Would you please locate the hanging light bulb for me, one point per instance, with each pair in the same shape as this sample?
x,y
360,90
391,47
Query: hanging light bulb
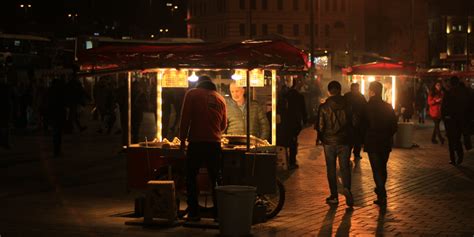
x,y
193,77
236,76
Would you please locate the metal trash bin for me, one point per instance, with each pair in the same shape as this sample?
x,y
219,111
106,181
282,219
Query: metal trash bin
x,y
235,209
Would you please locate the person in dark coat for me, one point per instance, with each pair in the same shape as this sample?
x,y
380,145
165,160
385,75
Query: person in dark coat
x,y
295,119
454,110
76,97
203,120
358,103
420,102
57,112
380,124
334,125
407,102
139,105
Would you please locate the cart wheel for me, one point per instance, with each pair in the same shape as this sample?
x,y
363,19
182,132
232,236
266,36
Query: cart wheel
x,y
274,202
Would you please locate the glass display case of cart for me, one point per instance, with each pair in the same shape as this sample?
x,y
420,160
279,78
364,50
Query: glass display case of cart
x,y
157,96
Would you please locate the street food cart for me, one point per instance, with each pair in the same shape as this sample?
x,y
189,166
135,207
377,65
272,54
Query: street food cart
x,y
393,76
166,72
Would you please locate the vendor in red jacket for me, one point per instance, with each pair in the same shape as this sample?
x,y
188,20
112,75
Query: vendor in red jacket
x,y
435,98
203,120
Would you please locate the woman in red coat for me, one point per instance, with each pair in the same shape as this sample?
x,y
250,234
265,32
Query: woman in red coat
x,y
435,98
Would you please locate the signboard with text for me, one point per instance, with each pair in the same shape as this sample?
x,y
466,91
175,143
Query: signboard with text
x,y
175,79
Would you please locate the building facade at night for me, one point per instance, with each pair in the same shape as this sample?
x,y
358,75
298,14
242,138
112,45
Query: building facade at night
x,y
348,29
450,35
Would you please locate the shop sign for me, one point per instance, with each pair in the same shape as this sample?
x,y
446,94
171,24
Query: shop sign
x,y
257,78
173,78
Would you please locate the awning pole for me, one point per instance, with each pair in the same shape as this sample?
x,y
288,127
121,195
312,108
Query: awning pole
x,y
247,106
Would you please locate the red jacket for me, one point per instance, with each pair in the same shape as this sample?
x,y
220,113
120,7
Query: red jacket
x,y
435,105
203,116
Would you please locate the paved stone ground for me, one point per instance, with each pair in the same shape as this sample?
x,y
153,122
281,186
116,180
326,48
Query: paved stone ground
x,y
84,193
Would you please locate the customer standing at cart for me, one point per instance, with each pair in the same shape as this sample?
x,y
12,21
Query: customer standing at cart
x,y
381,124
334,124
203,120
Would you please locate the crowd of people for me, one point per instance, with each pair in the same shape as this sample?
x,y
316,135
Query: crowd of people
x,y
350,122
40,104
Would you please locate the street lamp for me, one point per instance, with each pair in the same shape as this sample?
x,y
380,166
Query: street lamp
x,y
26,7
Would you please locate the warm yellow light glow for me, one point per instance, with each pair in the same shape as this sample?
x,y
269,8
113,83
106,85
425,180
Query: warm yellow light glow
x,y
69,15
29,5
22,6
393,91
129,106
362,86
257,78
238,75
274,98
193,77
371,78
448,29
159,129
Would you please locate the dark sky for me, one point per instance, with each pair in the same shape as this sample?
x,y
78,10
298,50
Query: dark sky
x,y
146,15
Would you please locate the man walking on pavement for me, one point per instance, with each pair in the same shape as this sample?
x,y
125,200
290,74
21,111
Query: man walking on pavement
x,y
454,109
358,103
203,120
295,119
381,124
334,123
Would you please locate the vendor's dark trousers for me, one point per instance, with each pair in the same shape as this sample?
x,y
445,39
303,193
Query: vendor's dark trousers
x,y
332,153
378,163
454,133
197,154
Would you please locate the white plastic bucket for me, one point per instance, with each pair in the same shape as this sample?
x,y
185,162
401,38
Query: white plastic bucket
x,y
235,209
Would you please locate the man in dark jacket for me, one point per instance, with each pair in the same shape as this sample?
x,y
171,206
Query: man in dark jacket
x,y
454,110
381,125
334,124
358,103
